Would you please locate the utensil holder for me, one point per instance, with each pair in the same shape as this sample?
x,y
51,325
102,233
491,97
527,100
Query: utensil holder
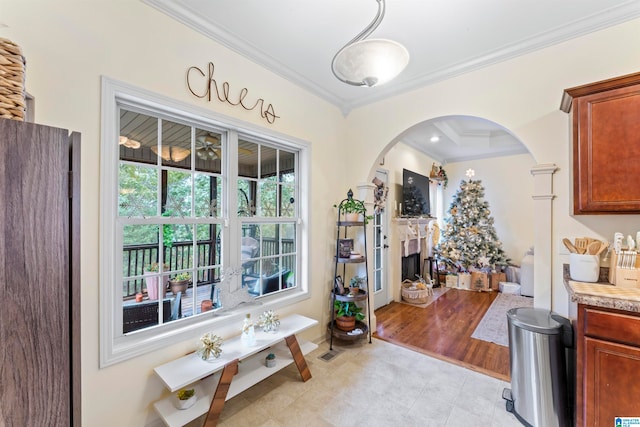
x,y
584,268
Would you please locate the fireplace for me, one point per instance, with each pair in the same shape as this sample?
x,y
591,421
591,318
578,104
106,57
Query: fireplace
x,y
410,266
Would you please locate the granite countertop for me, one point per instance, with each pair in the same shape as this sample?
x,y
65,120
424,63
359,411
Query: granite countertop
x,y
602,293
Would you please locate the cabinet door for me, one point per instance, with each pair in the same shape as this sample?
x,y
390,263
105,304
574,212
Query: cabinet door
x,y
612,382
606,152
35,386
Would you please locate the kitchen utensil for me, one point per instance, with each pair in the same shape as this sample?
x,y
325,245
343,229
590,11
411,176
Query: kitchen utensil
x,y
602,248
569,246
581,245
594,247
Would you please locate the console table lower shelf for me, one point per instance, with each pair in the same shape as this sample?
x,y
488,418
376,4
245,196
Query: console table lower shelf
x,y
235,376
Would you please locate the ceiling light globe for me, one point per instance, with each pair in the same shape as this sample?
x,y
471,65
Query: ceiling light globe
x,y
370,62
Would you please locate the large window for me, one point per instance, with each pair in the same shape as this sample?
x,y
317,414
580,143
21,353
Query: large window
x,y
192,207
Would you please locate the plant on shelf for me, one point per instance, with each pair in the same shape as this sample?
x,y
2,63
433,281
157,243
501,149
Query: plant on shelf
x,y
185,398
347,312
270,360
180,282
185,394
351,206
355,284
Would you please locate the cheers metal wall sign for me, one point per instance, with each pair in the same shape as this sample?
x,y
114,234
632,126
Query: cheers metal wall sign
x,y
207,85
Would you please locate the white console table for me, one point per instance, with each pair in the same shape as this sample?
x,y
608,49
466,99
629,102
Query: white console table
x,y
218,381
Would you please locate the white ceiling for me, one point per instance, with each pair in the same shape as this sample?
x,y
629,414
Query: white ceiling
x,y
297,40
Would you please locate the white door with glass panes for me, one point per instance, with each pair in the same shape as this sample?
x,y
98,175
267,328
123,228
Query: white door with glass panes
x,y
380,251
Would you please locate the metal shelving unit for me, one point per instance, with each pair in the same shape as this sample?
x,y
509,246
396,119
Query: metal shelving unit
x,y
344,265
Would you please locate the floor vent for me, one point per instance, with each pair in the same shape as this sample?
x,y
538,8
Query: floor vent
x,y
328,355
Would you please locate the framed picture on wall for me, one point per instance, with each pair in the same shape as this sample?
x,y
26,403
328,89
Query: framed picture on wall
x,y
345,246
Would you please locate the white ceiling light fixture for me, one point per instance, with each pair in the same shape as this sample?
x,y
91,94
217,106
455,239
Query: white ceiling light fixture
x,y
370,62
129,143
434,139
173,154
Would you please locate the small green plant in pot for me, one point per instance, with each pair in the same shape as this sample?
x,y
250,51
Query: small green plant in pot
x,y
185,398
347,312
180,282
355,284
352,209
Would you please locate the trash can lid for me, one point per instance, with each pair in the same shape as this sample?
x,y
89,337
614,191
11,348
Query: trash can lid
x,y
535,319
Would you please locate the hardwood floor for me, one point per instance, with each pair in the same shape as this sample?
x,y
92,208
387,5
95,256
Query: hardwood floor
x,y
443,330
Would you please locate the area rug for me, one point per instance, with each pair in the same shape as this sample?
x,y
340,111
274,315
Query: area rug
x,y
437,293
493,326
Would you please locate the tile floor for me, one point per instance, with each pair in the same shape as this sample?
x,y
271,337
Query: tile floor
x,y
372,385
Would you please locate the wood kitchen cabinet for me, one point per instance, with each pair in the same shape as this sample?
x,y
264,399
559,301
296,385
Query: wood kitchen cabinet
x,y
608,365
606,145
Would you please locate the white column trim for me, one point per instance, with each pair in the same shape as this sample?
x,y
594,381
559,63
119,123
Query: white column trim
x,y
542,213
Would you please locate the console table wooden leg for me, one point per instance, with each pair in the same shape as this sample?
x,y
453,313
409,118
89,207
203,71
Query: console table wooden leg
x,y
220,396
298,357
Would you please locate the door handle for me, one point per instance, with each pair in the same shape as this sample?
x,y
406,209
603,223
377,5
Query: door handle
x,y
385,246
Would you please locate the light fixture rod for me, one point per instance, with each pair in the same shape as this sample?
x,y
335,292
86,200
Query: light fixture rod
x,y
361,36
372,26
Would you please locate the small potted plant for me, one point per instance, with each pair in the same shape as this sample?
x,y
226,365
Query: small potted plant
x,y
355,284
185,398
352,209
180,282
151,279
347,312
270,360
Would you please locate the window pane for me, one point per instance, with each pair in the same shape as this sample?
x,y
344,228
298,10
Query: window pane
x,y
246,197
268,205
138,133
287,167
178,199
175,148
287,201
208,192
137,191
288,271
247,159
208,251
270,239
139,251
268,163
288,238
209,151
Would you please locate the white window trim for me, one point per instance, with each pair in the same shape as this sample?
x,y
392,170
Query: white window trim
x,y
115,347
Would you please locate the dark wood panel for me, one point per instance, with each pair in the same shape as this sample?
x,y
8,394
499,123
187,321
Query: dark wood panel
x,y
612,386
613,326
606,146
34,229
443,330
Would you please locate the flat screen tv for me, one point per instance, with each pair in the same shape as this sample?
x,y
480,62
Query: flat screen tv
x,y
415,194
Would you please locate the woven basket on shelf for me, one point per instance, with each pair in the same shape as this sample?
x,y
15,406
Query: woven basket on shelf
x,y
12,78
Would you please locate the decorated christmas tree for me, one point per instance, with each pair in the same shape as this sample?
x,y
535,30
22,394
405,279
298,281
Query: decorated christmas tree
x,y
469,240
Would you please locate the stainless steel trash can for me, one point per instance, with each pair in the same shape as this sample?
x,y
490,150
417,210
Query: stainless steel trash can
x,y
539,341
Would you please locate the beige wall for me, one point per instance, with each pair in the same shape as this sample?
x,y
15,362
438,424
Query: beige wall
x,y
69,45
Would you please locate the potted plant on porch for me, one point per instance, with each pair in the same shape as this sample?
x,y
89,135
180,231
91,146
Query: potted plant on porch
x,y
347,312
151,279
180,282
